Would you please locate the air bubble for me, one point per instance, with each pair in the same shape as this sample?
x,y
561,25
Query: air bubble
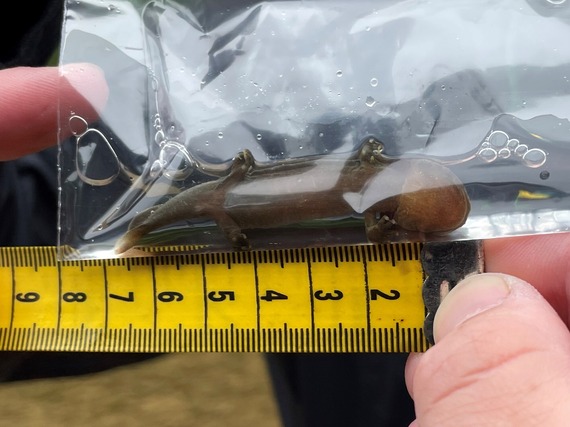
x,y
258,137
78,125
220,135
488,155
534,158
374,82
498,139
521,149
504,153
156,168
513,144
339,73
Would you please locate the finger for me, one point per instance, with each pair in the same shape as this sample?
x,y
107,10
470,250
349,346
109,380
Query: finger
x,y
543,260
502,357
31,100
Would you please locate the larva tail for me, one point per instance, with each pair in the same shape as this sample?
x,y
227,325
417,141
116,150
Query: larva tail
x,y
137,229
129,240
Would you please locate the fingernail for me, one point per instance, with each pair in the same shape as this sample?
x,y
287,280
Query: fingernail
x,y
471,297
89,81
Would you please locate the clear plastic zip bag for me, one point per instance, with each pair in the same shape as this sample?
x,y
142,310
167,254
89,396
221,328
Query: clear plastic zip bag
x,y
247,124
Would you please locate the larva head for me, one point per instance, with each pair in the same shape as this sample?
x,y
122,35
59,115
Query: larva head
x,y
432,199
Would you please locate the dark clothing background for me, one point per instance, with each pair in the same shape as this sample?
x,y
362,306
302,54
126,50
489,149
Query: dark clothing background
x,y
312,389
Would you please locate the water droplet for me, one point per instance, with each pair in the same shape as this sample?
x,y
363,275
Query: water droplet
x,y
321,134
373,82
258,137
370,102
368,28
544,175
443,87
339,73
220,135
523,104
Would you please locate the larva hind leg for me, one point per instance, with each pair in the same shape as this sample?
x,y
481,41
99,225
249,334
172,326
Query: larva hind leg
x,y
377,226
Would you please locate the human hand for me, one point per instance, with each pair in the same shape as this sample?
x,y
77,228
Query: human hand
x,y
502,352
31,99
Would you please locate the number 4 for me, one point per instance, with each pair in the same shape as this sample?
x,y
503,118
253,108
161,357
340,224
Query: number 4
x,y
273,295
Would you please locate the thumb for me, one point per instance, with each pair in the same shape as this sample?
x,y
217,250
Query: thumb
x,y
502,357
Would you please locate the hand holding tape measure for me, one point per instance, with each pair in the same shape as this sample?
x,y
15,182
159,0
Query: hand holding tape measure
x,y
498,340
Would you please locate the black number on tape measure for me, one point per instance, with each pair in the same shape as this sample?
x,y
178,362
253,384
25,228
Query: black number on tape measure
x,y
377,293
28,297
129,298
74,297
273,295
218,296
168,296
335,295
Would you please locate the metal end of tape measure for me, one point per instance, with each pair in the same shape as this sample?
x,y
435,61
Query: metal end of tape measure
x,y
445,264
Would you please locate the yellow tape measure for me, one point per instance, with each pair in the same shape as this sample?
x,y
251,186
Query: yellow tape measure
x,y
339,299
